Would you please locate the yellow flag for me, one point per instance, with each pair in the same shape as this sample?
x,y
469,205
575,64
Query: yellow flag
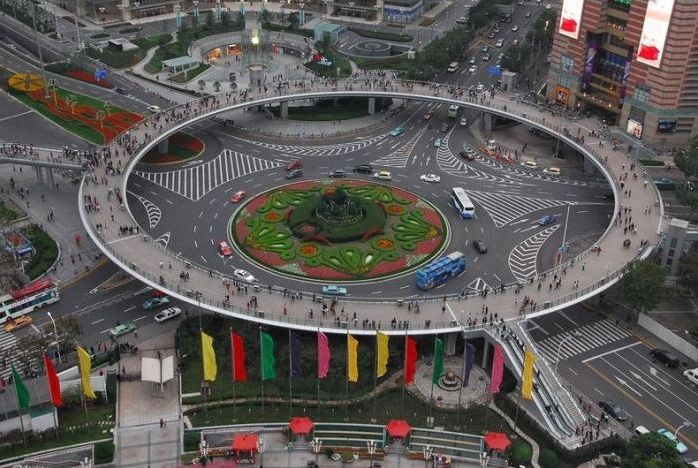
x,y
382,351
209,357
527,385
352,358
85,363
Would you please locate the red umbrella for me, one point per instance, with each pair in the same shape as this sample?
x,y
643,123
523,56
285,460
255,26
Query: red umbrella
x,y
245,442
398,428
301,425
497,441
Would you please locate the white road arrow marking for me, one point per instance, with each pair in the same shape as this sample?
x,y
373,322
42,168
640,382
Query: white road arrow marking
x,y
625,384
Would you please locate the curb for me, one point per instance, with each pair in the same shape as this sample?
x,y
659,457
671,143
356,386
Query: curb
x,y
99,264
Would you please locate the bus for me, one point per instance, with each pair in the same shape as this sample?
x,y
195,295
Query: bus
x,y
441,270
453,111
28,299
461,202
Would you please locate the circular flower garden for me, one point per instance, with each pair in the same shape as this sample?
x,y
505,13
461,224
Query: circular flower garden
x,y
330,230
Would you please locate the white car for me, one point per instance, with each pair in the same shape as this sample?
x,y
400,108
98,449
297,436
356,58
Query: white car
x,y
530,164
167,314
244,276
480,88
464,122
430,178
154,109
691,375
383,175
500,43
514,29
472,69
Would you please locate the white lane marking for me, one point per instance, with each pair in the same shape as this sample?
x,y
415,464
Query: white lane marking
x,y
139,318
610,352
565,316
129,309
625,384
97,321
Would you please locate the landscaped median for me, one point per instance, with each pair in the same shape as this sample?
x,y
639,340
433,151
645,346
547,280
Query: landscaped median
x,y
46,251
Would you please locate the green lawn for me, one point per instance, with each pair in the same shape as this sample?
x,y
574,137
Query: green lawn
x,y
46,251
7,214
190,74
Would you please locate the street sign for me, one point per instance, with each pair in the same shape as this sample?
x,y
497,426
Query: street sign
x,y
494,70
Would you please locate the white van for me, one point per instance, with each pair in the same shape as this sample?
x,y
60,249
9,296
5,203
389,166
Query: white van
x,y
642,430
691,375
453,67
167,314
154,109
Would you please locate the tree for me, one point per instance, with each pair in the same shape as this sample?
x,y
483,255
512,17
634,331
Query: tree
x,y
240,19
264,17
202,84
642,286
687,160
651,451
293,21
225,18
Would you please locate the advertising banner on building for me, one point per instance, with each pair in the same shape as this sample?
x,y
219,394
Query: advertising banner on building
x,y
666,126
562,96
589,63
571,18
654,31
634,128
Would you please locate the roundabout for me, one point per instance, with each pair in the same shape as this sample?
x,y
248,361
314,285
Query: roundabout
x,y
329,230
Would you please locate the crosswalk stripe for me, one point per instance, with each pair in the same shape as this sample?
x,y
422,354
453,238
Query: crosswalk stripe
x,y
593,336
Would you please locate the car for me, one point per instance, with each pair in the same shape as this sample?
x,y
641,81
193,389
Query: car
x,y
158,293
154,109
467,155
464,122
514,28
547,219
445,127
363,169
437,143
453,67
337,174
485,49
500,56
491,35
608,196
500,43
167,314
122,329
294,173
529,164
156,302
515,42
472,69
428,115
297,164
480,87
665,357
528,14
383,175
642,430
396,132
333,290
462,20
472,61
613,410
549,6
665,183
480,246
680,446
121,91
486,57
238,196
224,249
552,171
13,324
244,276
691,375
430,178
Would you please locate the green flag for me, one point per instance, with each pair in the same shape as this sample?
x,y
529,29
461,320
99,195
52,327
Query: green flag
x,y
23,396
268,360
438,360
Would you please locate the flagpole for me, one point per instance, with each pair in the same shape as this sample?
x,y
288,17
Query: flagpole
x,y
290,374
462,381
261,361
404,382
204,388
50,392
232,355
375,379
317,372
346,384
431,396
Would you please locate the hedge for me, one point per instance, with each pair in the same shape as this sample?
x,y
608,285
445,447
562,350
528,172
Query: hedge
x,y
651,162
104,452
548,459
46,251
385,35
192,440
280,28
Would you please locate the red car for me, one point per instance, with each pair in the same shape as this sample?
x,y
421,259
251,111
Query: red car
x,y
294,165
158,293
224,249
238,196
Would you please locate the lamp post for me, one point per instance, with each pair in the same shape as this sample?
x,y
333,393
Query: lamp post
x,y
427,451
55,333
683,424
260,448
178,11
575,334
371,444
196,10
484,459
316,445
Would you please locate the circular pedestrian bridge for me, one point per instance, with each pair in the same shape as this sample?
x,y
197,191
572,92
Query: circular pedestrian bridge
x,y
149,260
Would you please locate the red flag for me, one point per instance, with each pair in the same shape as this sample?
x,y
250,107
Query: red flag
x,y
410,359
54,384
497,369
239,370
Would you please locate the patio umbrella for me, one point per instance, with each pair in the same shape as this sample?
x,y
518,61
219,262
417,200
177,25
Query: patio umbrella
x,y
497,441
301,425
398,428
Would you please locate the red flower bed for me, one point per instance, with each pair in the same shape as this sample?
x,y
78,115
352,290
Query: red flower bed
x,y
432,217
324,273
386,268
427,246
406,195
82,75
183,140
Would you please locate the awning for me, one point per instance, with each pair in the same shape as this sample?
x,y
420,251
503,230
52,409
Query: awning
x,y
497,441
398,428
245,442
301,425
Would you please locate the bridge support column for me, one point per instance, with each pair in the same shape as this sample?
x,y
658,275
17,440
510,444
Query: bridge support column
x,y
371,106
487,122
164,146
39,175
49,178
589,167
486,354
284,110
256,74
451,340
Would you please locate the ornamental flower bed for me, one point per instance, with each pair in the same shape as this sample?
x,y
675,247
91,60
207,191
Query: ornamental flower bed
x,y
181,147
87,77
412,231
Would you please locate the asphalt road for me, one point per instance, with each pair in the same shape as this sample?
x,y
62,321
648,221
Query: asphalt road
x,y
608,362
509,199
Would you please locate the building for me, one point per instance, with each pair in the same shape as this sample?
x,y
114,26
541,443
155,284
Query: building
x,y
365,10
402,11
632,62
109,11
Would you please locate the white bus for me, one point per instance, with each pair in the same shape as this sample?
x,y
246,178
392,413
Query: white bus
x,y
461,202
28,299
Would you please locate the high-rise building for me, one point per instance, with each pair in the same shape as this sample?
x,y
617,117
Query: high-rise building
x,y
632,62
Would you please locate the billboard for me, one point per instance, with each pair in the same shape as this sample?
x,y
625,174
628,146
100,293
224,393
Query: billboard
x,y
571,18
634,128
654,31
666,126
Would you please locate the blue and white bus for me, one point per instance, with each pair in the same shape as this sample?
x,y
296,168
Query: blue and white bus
x,y
461,202
441,270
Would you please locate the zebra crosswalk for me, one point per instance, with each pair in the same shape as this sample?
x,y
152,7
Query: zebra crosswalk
x,y
505,208
319,150
8,354
517,171
400,156
447,161
589,337
195,182
523,258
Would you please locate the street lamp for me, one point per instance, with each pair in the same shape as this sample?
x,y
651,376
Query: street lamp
x,y
55,333
684,424
575,334
260,449
316,445
484,459
371,444
427,451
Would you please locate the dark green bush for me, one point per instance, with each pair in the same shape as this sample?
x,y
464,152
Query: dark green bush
x,y
104,452
521,451
548,459
651,162
385,35
192,440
